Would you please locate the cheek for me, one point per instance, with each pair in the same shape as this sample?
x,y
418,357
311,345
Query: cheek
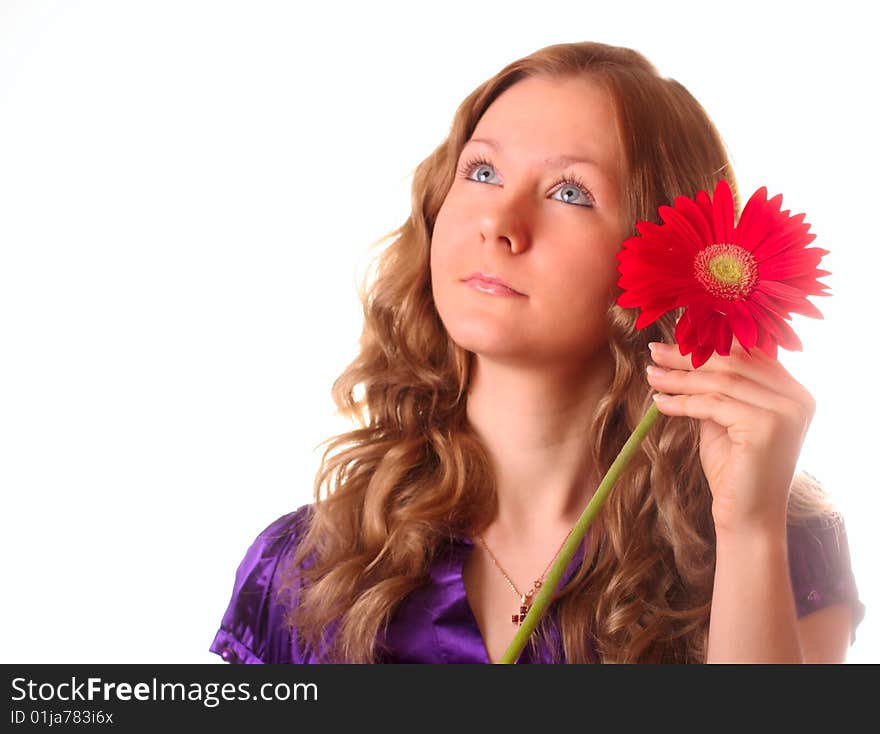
x,y
445,255
586,278
590,280
442,268
439,262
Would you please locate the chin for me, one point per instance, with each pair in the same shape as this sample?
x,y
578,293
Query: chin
x,y
478,323
487,339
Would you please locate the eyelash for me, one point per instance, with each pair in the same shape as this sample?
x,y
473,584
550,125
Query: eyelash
x,y
569,179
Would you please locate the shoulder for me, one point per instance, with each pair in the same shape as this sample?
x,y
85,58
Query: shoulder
x,y
821,568
276,543
279,539
253,629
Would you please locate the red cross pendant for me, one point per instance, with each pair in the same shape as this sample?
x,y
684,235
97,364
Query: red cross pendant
x,y
524,605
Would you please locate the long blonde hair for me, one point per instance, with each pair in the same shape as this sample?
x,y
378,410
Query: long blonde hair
x,y
414,474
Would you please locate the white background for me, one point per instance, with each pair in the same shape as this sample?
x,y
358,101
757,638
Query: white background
x,y
187,193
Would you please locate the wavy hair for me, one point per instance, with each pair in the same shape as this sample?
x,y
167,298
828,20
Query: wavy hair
x,y
413,474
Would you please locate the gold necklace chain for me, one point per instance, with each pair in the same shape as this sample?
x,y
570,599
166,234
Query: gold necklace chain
x,y
525,600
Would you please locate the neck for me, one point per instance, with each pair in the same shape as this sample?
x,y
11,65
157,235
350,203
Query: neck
x,y
535,425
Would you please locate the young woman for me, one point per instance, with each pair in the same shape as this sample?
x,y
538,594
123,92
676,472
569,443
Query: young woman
x,y
498,380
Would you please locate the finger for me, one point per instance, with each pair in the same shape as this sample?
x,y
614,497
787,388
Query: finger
x,y
721,409
738,352
726,382
757,366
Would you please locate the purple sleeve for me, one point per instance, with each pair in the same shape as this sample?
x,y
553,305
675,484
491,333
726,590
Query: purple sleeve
x,y
252,629
821,572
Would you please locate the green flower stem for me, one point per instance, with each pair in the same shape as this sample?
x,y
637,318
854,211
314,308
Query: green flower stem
x,y
548,588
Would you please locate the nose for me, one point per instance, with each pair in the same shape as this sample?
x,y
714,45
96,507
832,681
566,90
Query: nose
x,y
505,222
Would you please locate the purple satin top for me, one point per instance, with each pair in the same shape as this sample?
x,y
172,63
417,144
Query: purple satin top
x,y
435,624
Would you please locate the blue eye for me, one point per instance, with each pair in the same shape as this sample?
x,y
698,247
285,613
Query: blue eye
x,y
566,183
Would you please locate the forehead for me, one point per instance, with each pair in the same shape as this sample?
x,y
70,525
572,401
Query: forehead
x,y
542,118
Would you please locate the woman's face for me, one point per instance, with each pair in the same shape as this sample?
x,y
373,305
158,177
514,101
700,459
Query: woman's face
x,y
513,217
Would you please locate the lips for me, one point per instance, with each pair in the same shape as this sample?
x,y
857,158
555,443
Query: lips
x,y
490,283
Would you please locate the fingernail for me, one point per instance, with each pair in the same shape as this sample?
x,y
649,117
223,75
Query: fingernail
x,y
654,346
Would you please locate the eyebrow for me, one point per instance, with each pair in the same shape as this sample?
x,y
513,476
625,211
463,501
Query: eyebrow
x,y
553,160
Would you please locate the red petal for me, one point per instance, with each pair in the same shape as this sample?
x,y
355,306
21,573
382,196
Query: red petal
x,y
766,321
780,310
663,237
702,355
723,338
766,343
754,220
689,237
783,292
768,331
722,212
787,273
808,309
661,289
690,294
649,316
786,233
705,204
646,231
707,327
698,220
788,339
684,334
645,298
743,324
809,286
793,263
708,323
652,258
643,293
767,302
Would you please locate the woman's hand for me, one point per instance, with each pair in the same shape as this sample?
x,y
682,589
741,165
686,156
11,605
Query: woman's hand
x,y
753,417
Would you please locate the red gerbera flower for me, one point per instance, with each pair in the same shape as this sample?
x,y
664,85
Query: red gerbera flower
x,y
743,279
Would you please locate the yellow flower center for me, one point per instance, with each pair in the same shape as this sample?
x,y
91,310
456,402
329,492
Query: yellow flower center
x,y
727,271
725,268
